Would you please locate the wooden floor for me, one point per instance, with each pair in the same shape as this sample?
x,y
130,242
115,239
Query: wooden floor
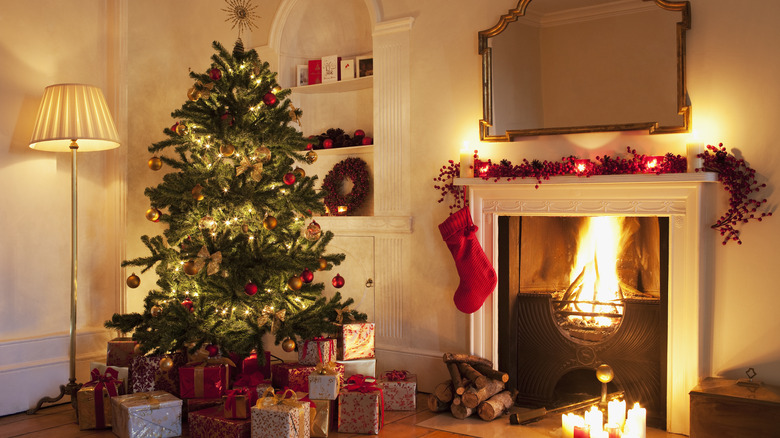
x,y
60,421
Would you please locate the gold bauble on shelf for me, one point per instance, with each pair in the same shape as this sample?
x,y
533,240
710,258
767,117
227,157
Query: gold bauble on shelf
x,y
311,157
155,163
288,345
133,281
295,283
153,214
155,311
190,268
269,222
166,364
227,150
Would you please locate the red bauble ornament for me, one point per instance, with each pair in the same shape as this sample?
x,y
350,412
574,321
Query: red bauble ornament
x,y
215,74
309,146
270,99
189,305
307,276
338,281
289,178
250,289
367,141
327,143
360,133
212,349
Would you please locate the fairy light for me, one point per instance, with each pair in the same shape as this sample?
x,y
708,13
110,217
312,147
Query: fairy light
x,y
246,312
225,189
186,292
251,238
224,311
233,309
194,294
227,222
242,66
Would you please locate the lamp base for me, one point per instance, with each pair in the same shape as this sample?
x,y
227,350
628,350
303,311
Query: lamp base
x,y
70,389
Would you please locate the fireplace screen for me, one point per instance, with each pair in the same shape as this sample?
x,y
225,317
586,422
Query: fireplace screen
x,y
576,292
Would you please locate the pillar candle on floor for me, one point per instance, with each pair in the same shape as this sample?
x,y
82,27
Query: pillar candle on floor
x,y
616,412
569,421
594,419
581,432
636,421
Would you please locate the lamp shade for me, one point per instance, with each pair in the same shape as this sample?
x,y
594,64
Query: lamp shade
x,y
73,112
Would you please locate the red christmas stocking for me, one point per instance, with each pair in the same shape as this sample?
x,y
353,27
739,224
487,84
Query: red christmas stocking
x,y
477,276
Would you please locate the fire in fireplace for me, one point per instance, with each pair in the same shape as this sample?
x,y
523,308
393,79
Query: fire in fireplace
x,y
579,291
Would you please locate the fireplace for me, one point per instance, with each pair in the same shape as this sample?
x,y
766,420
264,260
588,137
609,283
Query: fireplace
x,y
683,200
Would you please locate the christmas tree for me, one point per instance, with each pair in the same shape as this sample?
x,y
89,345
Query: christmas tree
x,y
240,251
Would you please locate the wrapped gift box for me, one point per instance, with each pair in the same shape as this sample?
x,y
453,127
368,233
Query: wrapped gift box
x,y
400,390
325,415
198,404
147,376
366,367
94,399
356,341
209,381
123,373
277,417
120,352
250,366
238,401
318,350
211,423
296,376
361,407
324,386
150,414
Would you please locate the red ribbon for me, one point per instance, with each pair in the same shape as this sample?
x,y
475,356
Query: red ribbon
x,y
396,375
366,384
230,402
108,381
318,340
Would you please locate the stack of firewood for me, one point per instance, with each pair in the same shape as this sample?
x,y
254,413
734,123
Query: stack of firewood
x,y
474,387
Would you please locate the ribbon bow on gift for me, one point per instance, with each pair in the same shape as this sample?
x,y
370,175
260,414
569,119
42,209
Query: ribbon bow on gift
x,y
361,383
213,260
230,402
148,399
396,375
108,381
326,368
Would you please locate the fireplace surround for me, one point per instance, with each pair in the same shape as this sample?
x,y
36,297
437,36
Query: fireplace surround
x,y
686,199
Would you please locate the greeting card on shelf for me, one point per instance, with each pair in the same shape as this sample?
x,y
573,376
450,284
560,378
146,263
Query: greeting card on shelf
x,y
315,71
347,69
330,68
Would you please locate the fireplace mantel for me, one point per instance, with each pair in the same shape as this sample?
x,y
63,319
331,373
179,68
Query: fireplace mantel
x,y
686,198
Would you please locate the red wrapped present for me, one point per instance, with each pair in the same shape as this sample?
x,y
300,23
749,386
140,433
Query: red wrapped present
x,y
198,404
361,406
250,366
280,416
400,390
120,352
204,379
318,350
147,376
94,399
356,341
237,402
296,376
211,423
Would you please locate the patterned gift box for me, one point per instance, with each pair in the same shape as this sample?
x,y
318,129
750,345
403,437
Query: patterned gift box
x,y
356,341
203,381
325,415
276,416
296,376
250,366
366,367
361,406
123,373
324,382
400,390
120,352
318,350
198,404
147,376
94,399
211,423
150,414
238,401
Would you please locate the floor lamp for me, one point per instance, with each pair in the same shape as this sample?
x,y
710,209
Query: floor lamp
x,y
71,118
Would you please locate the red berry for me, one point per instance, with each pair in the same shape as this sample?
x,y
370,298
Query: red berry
x,y
327,143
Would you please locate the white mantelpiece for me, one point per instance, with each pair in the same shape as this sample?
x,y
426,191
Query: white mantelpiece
x,y
685,198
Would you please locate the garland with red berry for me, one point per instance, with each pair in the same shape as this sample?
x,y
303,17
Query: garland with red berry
x,y
738,178
356,170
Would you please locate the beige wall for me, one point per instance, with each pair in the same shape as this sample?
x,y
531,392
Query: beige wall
x,y
732,79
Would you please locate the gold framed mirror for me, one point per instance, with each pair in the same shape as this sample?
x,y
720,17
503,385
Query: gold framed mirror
x,y
572,66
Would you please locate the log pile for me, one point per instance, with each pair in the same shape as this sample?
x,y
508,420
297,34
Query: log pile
x,y
474,387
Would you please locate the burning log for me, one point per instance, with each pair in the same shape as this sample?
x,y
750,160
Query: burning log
x,y
460,411
466,358
475,376
436,405
491,408
444,392
473,397
573,287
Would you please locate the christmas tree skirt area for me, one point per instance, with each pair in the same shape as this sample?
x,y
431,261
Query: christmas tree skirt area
x,y
474,426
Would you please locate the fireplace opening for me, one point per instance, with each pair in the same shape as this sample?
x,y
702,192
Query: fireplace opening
x,y
576,292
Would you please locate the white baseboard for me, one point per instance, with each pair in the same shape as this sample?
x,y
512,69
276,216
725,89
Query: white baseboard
x,y
426,364
33,368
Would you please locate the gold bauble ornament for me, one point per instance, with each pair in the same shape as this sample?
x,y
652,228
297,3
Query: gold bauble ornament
x,y
311,157
288,345
166,364
137,349
193,94
155,311
227,150
299,173
155,163
323,264
191,268
207,223
276,89
313,232
269,222
263,154
604,373
245,228
153,214
133,281
295,283
181,129
196,192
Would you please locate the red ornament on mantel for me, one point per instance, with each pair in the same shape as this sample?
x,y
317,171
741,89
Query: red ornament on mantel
x,y
367,141
327,143
360,133
270,99
289,178
307,276
338,281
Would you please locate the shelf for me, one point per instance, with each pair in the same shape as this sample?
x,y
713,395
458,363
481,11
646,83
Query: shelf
x,y
336,87
596,179
345,150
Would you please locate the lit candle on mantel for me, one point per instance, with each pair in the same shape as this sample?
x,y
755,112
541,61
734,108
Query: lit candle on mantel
x,y
569,422
636,422
594,419
613,430
581,432
466,161
694,162
653,162
616,413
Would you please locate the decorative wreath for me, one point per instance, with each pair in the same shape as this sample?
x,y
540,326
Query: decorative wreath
x,y
354,169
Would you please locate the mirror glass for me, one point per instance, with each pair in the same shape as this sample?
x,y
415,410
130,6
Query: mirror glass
x,y
568,66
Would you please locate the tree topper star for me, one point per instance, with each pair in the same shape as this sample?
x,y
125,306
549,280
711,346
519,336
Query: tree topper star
x,y
242,14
